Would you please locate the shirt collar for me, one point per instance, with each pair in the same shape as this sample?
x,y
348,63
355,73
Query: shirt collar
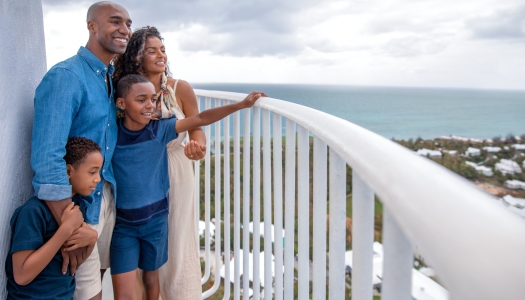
x,y
95,63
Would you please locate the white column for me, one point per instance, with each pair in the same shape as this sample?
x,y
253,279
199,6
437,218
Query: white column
x,y
23,64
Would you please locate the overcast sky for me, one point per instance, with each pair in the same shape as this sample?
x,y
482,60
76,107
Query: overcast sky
x,y
442,43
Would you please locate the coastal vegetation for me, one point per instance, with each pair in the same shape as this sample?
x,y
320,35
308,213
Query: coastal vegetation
x,y
453,158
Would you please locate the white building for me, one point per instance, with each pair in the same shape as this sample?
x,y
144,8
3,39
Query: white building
x,y
451,152
481,169
518,202
472,151
423,287
520,147
492,149
507,166
428,152
514,184
261,230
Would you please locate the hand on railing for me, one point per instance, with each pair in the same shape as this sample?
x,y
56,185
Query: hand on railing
x,y
194,151
249,101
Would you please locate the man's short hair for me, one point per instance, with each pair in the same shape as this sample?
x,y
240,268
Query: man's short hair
x,y
124,85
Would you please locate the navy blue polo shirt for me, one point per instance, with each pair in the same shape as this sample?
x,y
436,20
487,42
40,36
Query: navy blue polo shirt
x,y
32,225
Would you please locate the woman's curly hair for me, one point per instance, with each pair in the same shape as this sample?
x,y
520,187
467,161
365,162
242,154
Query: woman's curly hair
x,y
131,62
78,148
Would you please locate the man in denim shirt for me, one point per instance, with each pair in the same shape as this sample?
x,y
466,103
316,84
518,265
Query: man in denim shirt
x,y
75,98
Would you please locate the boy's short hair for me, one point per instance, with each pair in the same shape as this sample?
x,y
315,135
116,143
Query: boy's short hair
x,y
77,148
124,85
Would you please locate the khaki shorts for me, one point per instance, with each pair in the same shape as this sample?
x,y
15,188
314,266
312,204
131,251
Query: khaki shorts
x,y
88,281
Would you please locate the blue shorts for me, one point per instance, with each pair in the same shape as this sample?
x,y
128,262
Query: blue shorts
x,y
144,246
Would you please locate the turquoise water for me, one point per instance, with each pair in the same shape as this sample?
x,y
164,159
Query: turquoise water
x,y
404,113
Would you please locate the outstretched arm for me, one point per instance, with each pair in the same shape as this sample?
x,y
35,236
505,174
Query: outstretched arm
x,y
215,114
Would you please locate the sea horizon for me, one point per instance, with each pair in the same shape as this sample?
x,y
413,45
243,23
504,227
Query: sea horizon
x,y
405,112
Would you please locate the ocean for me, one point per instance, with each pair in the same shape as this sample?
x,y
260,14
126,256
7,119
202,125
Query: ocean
x,y
404,113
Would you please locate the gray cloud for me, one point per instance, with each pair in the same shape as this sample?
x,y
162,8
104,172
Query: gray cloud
x,y
234,28
413,46
504,24
380,26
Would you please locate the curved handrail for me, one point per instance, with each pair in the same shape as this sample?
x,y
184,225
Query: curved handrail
x,y
475,245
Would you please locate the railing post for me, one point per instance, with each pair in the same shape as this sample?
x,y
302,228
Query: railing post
x,y
256,204
246,202
267,194
337,227
289,208
319,220
217,201
362,238
398,260
303,212
227,174
278,205
197,172
207,161
236,203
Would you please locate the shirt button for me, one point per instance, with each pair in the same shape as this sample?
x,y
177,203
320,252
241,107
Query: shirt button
x,y
108,124
107,148
103,171
98,193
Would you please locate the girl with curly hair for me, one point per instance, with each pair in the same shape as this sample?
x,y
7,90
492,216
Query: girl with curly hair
x,y
145,55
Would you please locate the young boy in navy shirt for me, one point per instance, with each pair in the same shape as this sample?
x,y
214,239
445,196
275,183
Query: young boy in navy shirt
x,y
140,165
34,264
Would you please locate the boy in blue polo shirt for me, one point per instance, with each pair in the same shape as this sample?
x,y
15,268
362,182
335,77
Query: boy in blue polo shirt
x,y
140,165
34,263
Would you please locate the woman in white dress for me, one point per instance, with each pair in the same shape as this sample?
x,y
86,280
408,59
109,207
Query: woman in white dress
x,y
145,55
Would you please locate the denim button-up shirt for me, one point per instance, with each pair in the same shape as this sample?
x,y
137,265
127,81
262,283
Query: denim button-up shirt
x,y
73,100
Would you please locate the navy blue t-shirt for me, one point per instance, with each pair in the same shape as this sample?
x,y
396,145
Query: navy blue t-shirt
x,y
32,225
140,166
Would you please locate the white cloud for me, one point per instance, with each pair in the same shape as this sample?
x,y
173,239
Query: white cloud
x,y
472,43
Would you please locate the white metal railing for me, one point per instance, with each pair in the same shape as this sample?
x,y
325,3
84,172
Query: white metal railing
x,y
475,246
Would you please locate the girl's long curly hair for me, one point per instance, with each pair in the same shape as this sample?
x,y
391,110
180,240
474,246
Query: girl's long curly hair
x,y
131,62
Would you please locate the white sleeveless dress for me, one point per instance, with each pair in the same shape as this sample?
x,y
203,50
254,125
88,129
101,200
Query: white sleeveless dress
x,y
180,277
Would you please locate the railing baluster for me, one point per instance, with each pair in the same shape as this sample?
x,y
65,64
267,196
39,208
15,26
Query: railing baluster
x,y
207,201
246,203
362,238
267,194
278,205
303,212
217,201
197,174
319,219
337,225
256,202
227,175
289,207
398,260
236,202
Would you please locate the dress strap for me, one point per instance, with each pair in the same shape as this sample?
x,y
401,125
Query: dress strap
x,y
175,86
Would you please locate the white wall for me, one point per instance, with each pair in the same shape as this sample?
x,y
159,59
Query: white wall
x,y
22,65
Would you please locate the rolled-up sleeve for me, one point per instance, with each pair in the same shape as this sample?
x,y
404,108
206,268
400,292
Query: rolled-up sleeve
x,y
57,100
